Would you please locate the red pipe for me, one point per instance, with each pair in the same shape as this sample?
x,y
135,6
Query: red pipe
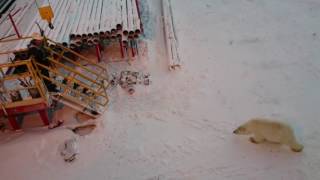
x,y
14,25
121,47
16,12
13,122
98,53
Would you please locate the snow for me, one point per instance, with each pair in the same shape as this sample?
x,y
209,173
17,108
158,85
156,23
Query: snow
x,y
241,59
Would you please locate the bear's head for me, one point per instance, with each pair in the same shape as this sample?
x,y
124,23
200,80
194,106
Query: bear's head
x,y
242,130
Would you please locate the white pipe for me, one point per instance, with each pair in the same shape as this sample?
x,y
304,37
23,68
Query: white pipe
x,y
171,43
91,23
58,27
85,17
110,15
67,22
124,17
32,27
89,17
136,19
130,22
21,14
79,15
118,14
112,23
104,17
72,17
20,44
58,21
99,16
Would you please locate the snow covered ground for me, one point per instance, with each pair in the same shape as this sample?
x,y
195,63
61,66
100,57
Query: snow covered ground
x,y
242,59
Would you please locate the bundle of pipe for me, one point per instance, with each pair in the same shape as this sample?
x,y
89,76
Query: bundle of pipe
x,y
5,5
7,29
84,23
111,20
170,36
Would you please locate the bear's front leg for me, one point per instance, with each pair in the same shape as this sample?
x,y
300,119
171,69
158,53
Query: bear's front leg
x,y
257,139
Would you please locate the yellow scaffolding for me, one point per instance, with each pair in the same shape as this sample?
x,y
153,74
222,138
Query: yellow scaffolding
x,y
21,89
82,83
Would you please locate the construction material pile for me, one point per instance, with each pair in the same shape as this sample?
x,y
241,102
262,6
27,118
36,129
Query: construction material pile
x,y
87,22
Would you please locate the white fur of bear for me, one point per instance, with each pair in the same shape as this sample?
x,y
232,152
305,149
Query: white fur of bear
x,y
271,131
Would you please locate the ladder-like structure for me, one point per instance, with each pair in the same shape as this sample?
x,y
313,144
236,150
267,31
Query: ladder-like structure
x,y
22,91
79,82
82,83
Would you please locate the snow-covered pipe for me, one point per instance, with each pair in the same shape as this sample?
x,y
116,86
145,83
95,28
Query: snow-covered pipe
x,y
112,25
136,19
19,18
139,14
64,32
21,42
97,11
31,28
85,18
91,22
99,16
118,15
76,28
171,43
94,17
104,18
61,18
65,37
125,17
130,17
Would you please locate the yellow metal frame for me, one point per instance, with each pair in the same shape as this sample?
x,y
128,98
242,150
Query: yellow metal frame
x,y
96,83
94,80
11,40
32,75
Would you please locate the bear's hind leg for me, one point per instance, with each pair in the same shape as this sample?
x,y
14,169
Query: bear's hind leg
x,y
257,139
294,145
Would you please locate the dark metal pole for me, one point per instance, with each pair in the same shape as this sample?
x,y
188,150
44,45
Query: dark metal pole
x,y
14,25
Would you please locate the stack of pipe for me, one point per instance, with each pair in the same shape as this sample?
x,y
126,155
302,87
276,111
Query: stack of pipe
x,y
5,5
170,36
82,23
19,11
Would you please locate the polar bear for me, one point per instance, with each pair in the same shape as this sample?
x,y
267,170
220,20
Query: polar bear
x,y
271,131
